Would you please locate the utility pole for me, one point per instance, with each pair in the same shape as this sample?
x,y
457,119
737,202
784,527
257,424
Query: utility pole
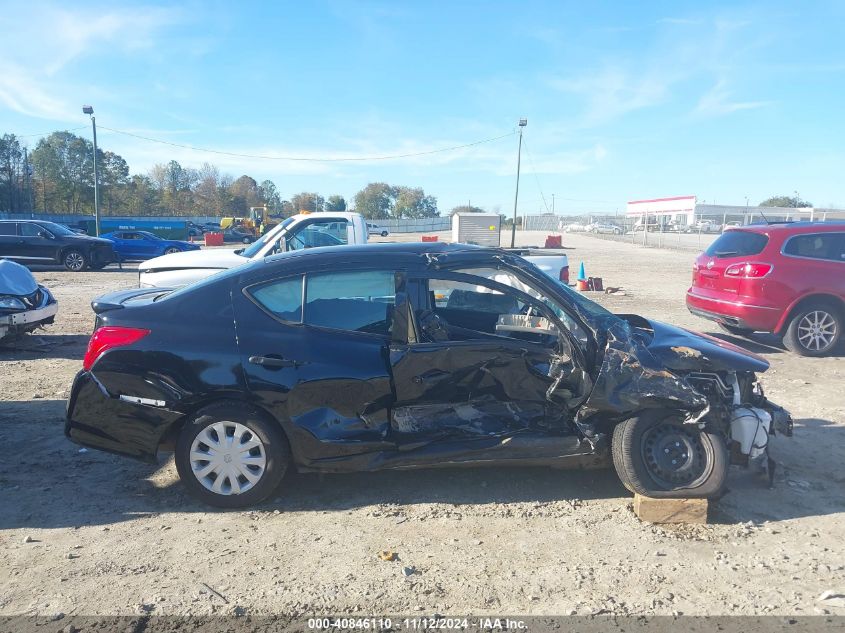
x,y
90,111
522,124
28,181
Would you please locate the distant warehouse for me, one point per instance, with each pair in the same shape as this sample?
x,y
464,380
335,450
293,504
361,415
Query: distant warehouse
x,y
685,211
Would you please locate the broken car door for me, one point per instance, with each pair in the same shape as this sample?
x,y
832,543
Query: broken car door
x,y
483,365
314,350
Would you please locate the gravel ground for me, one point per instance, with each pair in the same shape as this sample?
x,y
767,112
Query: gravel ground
x,y
83,532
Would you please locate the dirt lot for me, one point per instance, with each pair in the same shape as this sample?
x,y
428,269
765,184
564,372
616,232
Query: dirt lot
x,y
83,532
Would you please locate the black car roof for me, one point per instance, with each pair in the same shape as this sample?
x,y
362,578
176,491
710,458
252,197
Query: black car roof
x,y
380,249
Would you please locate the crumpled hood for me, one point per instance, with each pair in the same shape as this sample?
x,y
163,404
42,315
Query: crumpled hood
x,y
16,279
683,350
218,258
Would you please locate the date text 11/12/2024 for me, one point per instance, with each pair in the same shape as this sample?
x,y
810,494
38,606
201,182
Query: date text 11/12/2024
x,y
416,624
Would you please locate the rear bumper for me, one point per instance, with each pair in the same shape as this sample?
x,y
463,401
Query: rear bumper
x,y
112,423
734,313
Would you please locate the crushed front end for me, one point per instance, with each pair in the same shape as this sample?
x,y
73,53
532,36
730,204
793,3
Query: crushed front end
x,y
710,383
24,304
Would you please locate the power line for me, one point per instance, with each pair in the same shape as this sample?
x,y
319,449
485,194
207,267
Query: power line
x,y
536,178
302,158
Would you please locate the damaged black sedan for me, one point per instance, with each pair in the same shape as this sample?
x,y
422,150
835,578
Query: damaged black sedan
x,y
410,356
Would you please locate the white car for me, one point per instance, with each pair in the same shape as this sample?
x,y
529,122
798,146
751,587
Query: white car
x,y
306,230
375,229
604,228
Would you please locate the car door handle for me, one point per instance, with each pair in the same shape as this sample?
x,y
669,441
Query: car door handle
x,y
274,362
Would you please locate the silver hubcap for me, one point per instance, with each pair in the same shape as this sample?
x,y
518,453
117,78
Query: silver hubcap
x,y
74,261
817,330
227,458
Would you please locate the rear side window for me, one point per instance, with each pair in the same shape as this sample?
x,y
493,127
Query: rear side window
x,y
830,246
737,244
8,228
283,298
31,230
355,301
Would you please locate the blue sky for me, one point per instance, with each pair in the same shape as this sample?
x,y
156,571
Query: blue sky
x,y
624,100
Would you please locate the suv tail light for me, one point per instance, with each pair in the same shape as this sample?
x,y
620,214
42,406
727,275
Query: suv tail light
x,y
564,274
105,338
750,270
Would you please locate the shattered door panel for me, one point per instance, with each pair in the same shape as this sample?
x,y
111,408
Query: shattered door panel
x,y
469,388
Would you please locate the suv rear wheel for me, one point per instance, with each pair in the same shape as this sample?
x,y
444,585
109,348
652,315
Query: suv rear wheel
x,y
814,330
657,455
231,457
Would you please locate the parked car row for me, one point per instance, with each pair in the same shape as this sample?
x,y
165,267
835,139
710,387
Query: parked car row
x,y
41,242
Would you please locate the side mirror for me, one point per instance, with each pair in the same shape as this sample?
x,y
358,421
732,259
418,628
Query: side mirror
x,y
45,235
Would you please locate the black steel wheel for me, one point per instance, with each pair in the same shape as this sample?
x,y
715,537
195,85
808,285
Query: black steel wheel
x,y
658,455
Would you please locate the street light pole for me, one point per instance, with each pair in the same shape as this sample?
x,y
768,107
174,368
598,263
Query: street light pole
x,y
522,124
89,110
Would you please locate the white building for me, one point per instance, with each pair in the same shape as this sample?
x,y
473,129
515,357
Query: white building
x,y
686,211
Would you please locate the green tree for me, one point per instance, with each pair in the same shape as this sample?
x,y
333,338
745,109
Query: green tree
x,y
375,201
794,202
12,174
336,203
307,201
64,163
245,194
270,195
413,203
114,181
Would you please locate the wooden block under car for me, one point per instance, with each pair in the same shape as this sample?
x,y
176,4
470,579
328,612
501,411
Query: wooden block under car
x,y
670,510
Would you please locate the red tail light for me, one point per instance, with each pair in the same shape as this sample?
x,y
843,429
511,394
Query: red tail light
x,y
105,338
750,270
564,274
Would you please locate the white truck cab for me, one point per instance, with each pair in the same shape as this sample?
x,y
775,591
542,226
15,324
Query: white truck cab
x,y
304,230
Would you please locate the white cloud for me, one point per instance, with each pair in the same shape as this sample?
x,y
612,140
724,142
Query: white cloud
x,y
615,91
22,93
717,102
39,42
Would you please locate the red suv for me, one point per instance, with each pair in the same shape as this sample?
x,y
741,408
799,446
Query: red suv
x,y
786,278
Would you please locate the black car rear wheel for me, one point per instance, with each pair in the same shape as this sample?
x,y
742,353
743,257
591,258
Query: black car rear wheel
x,y
231,456
657,455
74,260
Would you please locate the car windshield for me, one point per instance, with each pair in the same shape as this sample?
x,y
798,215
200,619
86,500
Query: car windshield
x,y
150,236
253,249
56,229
